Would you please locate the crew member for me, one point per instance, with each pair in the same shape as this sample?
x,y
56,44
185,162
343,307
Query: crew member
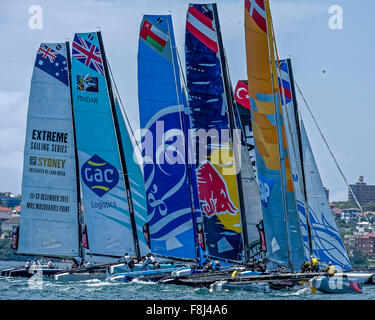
x,y
314,264
306,267
330,269
207,266
261,266
251,265
28,264
129,261
215,265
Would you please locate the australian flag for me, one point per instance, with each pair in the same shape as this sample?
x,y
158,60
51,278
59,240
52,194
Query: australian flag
x,y
52,62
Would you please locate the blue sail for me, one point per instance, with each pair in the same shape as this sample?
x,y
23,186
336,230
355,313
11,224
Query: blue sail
x,y
105,203
162,117
217,185
49,219
328,245
299,251
137,184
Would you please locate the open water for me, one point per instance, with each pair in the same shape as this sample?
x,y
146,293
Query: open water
x,y
34,289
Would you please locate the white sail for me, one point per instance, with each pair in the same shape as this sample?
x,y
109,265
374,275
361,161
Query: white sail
x,y
49,218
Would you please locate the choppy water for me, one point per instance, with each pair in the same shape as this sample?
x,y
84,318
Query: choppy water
x,y
34,289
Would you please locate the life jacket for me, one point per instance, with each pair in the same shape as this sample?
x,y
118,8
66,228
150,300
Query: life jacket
x,y
314,261
331,270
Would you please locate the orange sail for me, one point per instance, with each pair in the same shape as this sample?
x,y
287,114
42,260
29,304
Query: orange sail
x,y
283,237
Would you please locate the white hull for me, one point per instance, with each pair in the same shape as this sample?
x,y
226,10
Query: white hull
x,y
253,287
66,276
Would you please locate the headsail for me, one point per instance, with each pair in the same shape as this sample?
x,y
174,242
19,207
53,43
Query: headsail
x,y
256,244
106,209
162,107
217,185
328,245
319,229
292,129
49,219
137,184
283,237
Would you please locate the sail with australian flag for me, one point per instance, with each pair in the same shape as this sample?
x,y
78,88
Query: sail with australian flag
x,y
49,223
209,103
108,209
281,223
172,215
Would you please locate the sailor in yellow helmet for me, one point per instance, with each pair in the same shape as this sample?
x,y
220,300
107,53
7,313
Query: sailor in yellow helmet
x,y
330,269
306,267
314,264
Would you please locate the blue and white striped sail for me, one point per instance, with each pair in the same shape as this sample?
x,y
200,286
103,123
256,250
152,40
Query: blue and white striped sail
x,y
137,184
49,219
299,238
328,245
161,108
104,195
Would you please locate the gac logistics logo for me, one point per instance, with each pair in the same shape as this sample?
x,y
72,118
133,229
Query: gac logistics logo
x,y
265,188
99,175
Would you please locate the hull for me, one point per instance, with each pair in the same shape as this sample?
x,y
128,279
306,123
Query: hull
x,y
67,276
147,275
252,287
122,268
360,277
28,273
334,285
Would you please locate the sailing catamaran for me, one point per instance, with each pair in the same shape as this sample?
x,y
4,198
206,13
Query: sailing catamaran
x,y
50,219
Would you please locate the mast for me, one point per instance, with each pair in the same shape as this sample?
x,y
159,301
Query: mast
x,y
296,115
120,147
79,214
229,97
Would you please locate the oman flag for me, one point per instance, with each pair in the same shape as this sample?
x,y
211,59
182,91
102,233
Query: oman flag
x,y
154,36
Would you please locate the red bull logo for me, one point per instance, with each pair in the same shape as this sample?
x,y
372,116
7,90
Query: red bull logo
x,y
213,191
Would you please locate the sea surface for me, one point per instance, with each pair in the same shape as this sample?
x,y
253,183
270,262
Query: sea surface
x,y
32,289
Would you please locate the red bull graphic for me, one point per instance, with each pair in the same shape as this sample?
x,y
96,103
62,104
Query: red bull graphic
x,y
213,191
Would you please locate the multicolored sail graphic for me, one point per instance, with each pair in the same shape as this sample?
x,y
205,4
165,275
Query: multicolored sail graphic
x,y
284,243
217,184
170,204
106,210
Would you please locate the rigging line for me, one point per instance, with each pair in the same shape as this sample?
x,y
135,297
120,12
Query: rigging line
x,y
333,156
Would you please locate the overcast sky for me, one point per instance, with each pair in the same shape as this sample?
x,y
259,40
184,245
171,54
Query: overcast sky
x,y
334,68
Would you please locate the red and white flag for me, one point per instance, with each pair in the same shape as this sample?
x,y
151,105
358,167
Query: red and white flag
x,y
242,94
256,8
202,28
